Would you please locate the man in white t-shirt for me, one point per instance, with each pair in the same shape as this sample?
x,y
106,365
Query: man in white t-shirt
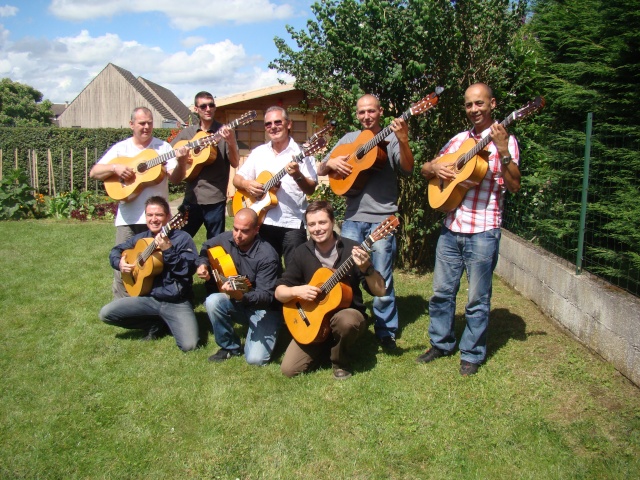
x,y
283,227
130,219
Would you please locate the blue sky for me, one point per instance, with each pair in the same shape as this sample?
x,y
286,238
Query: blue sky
x,y
222,46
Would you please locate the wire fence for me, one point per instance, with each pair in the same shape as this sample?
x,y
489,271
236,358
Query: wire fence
x,y
582,203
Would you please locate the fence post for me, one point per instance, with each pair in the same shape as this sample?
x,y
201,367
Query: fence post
x,y
585,191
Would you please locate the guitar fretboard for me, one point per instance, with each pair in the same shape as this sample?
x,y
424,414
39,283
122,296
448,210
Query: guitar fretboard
x,y
478,147
381,135
343,269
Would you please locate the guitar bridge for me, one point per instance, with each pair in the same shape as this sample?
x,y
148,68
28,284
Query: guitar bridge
x,y
302,314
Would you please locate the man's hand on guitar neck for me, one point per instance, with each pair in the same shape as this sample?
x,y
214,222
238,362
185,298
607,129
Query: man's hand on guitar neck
x,y
163,242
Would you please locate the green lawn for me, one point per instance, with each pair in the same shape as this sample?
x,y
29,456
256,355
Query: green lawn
x,y
84,400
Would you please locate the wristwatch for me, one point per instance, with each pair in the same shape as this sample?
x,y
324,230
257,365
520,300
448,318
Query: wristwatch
x,y
505,160
369,271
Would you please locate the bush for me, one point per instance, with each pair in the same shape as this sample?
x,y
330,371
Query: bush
x,y
17,199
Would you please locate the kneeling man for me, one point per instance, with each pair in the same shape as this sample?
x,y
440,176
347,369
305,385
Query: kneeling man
x,y
168,303
327,249
256,260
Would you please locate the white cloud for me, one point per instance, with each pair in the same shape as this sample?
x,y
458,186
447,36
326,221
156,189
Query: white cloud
x,y
190,42
8,11
63,67
198,13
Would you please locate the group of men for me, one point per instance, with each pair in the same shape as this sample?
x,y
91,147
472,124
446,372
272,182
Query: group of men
x,y
303,236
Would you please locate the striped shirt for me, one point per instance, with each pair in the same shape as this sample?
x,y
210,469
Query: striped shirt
x,y
481,207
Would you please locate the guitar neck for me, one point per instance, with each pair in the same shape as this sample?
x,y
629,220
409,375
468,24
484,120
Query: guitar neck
x,y
144,256
343,269
159,160
273,181
381,135
478,147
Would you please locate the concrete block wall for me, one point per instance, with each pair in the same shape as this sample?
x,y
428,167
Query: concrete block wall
x,y
602,317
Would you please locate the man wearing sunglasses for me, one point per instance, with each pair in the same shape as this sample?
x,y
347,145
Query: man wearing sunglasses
x,y
206,194
283,225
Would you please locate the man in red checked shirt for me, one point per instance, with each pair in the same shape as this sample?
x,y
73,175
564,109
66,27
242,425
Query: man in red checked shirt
x,y
470,237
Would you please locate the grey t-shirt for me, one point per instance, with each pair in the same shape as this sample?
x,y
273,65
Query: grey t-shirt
x,y
379,197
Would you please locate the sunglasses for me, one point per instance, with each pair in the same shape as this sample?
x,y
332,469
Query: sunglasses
x,y
275,123
204,106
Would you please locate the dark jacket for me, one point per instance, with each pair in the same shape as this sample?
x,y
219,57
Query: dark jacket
x,y
304,264
175,282
259,264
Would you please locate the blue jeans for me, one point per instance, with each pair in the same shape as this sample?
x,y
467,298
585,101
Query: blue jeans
x,y
211,215
477,254
385,312
263,327
145,312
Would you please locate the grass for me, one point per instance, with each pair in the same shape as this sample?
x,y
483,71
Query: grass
x,y
84,400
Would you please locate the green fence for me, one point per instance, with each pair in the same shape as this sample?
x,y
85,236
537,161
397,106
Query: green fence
x,y
597,175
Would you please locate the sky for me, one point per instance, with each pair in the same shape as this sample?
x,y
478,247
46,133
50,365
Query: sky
x,y
221,46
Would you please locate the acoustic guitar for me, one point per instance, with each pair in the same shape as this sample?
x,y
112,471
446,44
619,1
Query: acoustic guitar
x,y
147,258
364,154
470,164
205,153
224,270
308,321
261,205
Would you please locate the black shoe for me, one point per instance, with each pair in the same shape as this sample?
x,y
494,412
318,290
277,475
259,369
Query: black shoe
x,y
154,333
224,354
341,374
388,343
468,368
430,355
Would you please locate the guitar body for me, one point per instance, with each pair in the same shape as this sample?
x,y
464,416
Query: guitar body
x,y
140,280
446,196
374,159
307,321
120,190
198,157
242,199
222,262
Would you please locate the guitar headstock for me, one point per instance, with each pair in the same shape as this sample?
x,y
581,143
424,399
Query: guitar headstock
x,y
247,118
531,107
327,129
313,147
178,221
427,102
386,228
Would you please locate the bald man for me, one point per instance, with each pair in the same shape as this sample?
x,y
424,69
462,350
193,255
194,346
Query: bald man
x,y
255,259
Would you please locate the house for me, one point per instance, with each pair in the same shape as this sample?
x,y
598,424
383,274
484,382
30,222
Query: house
x,y
108,100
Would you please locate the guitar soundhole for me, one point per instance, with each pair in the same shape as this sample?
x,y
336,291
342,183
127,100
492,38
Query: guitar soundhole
x,y
197,150
321,297
142,167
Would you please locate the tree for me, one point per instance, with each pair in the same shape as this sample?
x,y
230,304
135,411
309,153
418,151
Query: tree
x,y
588,57
400,50
22,106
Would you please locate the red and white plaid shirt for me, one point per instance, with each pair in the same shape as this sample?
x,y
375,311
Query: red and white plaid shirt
x,y
481,207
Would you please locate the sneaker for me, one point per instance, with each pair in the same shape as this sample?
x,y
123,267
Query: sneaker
x,y
224,354
388,343
468,368
430,355
341,373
